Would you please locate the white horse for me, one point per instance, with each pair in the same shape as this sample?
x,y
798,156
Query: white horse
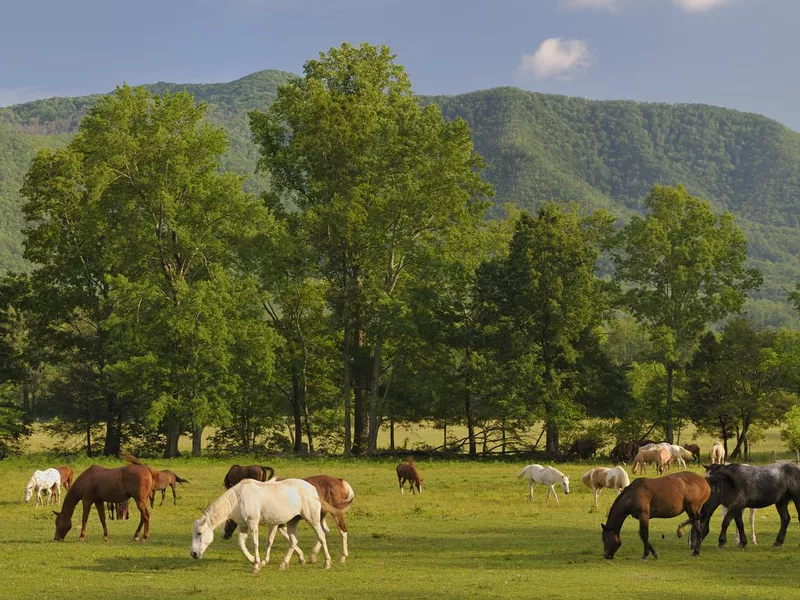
x,y
47,481
598,478
545,476
273,503
717,454
679,453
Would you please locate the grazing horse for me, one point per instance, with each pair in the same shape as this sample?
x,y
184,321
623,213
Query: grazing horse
x,y
661,498
659,455
237,472
49,482
336,492
66,476
407,471
583,448
741,486
97,485
273,503
717,454
600,477
545,476
166,478
624,452
695,450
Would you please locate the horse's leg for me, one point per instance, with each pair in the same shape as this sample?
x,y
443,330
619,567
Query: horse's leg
x,y
723,530
596,493
753,526
144,519
270,539
87,506
343,531
740,534
321,539
152,497
553,489
253,527
783,512
291,530
644,533
101,512
174,495
244,533
530,491
164,495
400,482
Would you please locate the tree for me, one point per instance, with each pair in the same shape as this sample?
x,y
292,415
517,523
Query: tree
x,y
684,268
540,302
378,178
736,382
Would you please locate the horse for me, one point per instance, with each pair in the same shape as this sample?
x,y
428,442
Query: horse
x,y
97,485
658,455
273,503
118,510
336,492
624,452
407,471
600,477
583,448
49,482
166,478
753,538
717,454
660,498
545,476
741,486
237,472
66,475
695,450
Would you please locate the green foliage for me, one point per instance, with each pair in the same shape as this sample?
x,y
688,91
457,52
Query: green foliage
x,y
791,428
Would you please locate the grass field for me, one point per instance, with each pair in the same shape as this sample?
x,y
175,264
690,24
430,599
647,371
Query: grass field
x,y
470,534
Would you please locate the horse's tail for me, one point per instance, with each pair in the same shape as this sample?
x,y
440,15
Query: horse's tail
x,y
271,473
329,508
350,495
130,458
521,473
181,480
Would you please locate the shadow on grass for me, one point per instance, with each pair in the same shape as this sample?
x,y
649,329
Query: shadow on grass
x,y
139,564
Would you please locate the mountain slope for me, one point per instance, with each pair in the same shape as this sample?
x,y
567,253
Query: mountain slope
x,y
537,147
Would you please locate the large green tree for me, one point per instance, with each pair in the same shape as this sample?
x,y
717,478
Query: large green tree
x,y
378,177
683,268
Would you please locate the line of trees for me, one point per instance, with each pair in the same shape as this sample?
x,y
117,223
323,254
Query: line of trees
x,y
367,288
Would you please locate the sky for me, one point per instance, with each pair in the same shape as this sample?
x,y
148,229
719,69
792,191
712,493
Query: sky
x,y
735,53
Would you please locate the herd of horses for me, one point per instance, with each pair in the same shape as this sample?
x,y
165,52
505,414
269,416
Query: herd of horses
x,y
254,496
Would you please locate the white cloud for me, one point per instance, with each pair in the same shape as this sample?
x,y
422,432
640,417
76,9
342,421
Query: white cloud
x,y
556,57
609,5
699,5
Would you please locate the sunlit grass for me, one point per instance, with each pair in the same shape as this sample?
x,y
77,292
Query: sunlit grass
x,y
470,534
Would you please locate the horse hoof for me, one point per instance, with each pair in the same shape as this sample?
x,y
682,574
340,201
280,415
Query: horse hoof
x,y
342,559
282,566
312,559
255,570
327,564
740,545
302,561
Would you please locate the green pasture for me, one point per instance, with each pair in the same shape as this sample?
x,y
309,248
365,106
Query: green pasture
x,y
470,534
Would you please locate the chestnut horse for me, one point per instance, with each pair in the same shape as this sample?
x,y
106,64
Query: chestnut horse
x,y
337,493
237,472
407,471
66,476
661,498
166,478
97,485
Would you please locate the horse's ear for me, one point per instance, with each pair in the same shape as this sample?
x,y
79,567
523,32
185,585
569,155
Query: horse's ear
x,y
707,467
603,525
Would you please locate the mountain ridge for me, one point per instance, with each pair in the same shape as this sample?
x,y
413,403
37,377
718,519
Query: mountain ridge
x,y
598,153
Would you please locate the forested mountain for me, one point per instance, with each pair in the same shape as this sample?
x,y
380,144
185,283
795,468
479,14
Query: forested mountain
x,y
537,147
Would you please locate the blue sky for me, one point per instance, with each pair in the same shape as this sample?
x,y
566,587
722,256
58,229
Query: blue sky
x,y
736,53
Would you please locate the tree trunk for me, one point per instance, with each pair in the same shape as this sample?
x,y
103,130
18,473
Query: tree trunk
x,y
297,410
113,441
473,447
551,441
359,387
348,436
307,415
444,436
391,433
742,437
670,376
374,396
197,440
26,404
503,431
173,435
89,440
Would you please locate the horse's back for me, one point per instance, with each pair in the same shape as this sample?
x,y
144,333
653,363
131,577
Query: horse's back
x,y
277,502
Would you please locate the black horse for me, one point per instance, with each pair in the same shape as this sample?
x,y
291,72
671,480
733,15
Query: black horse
x,y
741,486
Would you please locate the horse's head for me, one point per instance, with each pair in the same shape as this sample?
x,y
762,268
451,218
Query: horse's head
x,y
611,542
419,484
63,525
202,536
565,484
29,490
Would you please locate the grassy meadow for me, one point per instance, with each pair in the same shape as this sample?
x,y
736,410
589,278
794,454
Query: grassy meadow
x,y
470,534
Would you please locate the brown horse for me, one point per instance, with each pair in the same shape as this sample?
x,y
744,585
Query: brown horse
x,y
660,498
407,471
118,510
97,485
166,478
337,493
237,472
695,450
66,476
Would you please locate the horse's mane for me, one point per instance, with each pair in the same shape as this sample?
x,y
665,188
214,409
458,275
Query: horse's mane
x,y
31,482
219,509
